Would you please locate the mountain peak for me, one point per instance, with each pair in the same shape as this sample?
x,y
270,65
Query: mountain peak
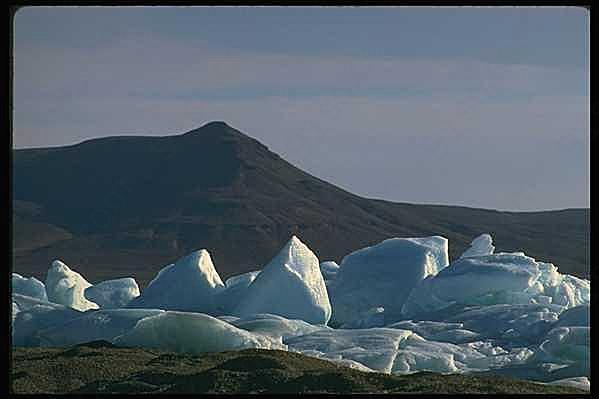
x,y
214,128
214,124
220,135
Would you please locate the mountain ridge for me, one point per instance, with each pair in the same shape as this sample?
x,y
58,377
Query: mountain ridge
x,y
145,201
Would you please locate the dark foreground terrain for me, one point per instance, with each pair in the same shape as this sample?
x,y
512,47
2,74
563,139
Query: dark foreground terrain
x,y
99,367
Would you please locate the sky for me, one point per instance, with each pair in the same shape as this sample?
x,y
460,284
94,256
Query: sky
x,y
481,107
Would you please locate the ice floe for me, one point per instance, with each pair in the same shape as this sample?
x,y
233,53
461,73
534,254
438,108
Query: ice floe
x,y
291,285
66,287
395,307
189,285
384,275
112,294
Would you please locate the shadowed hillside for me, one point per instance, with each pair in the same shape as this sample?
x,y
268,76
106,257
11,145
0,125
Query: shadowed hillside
x,y
127,206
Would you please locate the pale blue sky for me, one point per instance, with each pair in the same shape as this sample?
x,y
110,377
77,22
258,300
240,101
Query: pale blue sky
x,y
484,107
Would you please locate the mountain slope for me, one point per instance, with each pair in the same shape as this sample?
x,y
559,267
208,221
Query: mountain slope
x,y
128,205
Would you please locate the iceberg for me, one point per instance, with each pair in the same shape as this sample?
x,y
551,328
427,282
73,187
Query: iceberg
x,y
492,273
384,275
568,349
454,333
398,351
375,348
25,302
235,289
329,270
374,317
510,324
417,354
113,294
93,326
480,280
291,286
578,316
398,306
275,326
227,318
14,311
66,287
189,285
35,315
566,345
192,333
504,278
576,382
31,287
572,291
565,290
457,336
480,246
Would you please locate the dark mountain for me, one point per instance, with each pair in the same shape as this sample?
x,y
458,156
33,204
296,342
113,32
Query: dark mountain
x,y
121,206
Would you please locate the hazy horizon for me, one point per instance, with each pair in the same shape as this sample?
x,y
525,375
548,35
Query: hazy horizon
x,y
477,107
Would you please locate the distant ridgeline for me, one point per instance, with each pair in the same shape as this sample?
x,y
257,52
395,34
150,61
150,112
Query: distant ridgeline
x,y
129,205
499,313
